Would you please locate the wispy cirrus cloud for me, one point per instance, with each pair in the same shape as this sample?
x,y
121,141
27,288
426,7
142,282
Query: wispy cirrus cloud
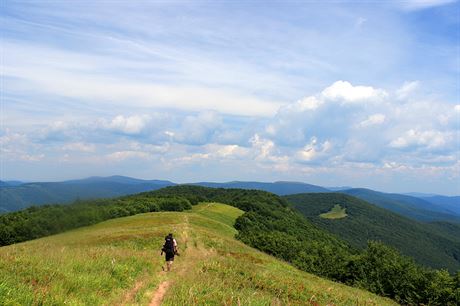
x,y
423,4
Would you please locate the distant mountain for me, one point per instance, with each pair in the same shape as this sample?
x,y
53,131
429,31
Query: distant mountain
x,y
10,183
412,207
339,188
449,203
436,245
420,194
118,179
279,188
18,197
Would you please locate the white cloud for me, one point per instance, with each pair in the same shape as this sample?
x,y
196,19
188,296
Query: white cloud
x,y
79,146
308,103
32,158
215,152
426,138
264,150
313,150
374,119
344,91
407,89
311,135
365,134
264,147
123,155
128,125
229,151
17,146
198,129
36,70
413,5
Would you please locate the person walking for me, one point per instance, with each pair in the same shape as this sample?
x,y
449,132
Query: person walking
x,y
170,250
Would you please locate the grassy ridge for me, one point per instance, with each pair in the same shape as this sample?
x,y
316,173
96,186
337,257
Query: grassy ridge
x,y
118,262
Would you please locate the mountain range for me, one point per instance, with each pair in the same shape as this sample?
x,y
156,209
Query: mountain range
x,y
15,195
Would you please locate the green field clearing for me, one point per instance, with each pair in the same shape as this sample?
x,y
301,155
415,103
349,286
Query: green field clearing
x,y
336,212
118,262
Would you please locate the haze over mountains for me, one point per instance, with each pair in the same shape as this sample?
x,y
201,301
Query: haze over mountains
x,y
15,195
19,196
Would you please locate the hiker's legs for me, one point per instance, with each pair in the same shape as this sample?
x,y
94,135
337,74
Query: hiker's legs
x,y
168,265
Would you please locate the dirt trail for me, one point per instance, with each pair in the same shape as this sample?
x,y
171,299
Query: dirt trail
x,y
160,293
129,296
181,269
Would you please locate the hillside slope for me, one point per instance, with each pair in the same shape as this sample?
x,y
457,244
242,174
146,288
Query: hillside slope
x,y
429,245
450,203
117,262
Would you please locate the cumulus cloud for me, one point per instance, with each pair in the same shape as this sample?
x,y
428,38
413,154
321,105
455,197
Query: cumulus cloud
x,y
373,120
79,146
198,129
327,115
314,150
130,125
360,129
265,150
425,138
347,93
318,130
16,146
123,155
215,152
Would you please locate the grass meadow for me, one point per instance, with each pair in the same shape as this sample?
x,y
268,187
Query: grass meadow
x,y
336,212
118,262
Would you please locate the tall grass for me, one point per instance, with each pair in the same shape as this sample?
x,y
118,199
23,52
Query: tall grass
x,y
118,262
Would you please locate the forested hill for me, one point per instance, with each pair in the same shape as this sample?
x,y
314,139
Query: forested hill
x,y
430,245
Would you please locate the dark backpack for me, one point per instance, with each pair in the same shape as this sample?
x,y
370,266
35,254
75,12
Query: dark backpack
x,y
169,245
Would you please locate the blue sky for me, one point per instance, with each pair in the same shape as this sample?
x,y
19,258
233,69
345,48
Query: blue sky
x,y
357,93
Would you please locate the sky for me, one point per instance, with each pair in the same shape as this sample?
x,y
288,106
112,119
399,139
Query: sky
x,y
332,93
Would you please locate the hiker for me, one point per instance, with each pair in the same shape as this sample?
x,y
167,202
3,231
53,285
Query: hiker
x,y
170,249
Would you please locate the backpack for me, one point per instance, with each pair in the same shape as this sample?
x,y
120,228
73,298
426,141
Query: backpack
x,y
169,245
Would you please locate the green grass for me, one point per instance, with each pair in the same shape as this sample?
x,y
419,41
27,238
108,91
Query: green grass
x,y
336,212
117,262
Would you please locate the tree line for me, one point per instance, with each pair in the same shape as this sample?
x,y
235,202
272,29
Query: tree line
x,y
39,221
